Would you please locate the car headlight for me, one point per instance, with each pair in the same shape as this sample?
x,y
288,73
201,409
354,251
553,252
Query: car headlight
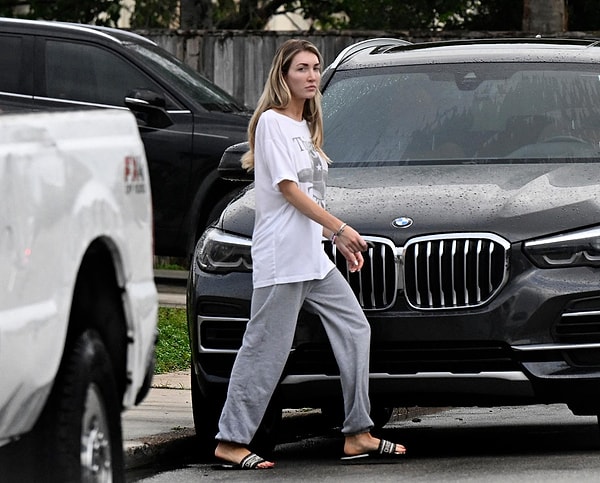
x,y
576,249
221,252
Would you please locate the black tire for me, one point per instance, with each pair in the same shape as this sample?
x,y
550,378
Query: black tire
x,y
266,436
79,436
381,416
334,415
206,414
206,419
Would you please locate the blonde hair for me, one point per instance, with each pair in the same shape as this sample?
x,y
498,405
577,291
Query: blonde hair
x,y
276,94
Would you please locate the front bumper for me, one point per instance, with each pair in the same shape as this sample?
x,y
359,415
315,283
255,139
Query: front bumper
x,y
537,341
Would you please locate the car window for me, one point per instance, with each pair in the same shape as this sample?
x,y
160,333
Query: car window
x,y
82,72
11,65
479,112
207,94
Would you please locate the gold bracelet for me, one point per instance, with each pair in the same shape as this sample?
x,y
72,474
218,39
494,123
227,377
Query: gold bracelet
x,y
341,230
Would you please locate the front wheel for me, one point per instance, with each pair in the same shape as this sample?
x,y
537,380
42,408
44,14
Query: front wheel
x,y
207,412
220,205
334,415
78,436
206,419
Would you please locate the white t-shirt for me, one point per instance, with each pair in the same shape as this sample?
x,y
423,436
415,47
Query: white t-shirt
x,y
286,245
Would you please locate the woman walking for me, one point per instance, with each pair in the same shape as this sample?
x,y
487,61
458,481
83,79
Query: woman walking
x,y
290,267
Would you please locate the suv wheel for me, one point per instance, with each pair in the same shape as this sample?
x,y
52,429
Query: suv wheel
x,y
381,416
265,439
334,415
79,432
206,419
207,412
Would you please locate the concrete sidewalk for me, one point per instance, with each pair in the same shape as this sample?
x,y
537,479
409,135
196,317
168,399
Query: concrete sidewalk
x,y
162,423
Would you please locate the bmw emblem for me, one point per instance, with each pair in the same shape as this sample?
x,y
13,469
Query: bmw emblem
x,y
402,222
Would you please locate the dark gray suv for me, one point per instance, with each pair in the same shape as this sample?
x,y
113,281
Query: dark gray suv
x,y
185,121
473,170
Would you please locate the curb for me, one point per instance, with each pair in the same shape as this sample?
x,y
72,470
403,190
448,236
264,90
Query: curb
x,y
155,449
171,277
180,444
169,399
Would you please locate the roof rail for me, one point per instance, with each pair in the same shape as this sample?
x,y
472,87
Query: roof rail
x,y
124,33
106,32
366,44
344,55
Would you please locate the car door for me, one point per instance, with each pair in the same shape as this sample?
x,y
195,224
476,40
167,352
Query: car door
x,y
74,73
16,82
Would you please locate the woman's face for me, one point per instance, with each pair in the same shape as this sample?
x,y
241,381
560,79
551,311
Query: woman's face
x,y
304,75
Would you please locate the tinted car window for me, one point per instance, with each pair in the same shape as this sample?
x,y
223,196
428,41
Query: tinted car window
x,y
11,66
82,72
208,95
473,112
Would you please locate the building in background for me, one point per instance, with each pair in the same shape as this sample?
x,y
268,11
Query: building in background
x,y
288,21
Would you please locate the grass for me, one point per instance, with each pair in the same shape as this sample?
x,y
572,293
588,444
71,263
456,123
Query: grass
x,y
169,263
172,349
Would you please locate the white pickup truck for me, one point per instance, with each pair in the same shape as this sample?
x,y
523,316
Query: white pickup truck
x,y
78,303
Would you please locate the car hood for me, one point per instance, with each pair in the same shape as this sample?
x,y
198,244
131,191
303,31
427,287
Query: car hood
x,y
516,201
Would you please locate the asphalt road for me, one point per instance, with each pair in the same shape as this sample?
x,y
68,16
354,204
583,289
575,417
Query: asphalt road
x,y
543,444
510,444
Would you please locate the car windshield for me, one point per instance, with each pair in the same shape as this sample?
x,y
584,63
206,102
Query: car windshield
x,y
207,94
457,113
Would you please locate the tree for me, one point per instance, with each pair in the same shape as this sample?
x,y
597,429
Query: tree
x,y
351,14
145,14
532,15
583,14
154,14
99,12
196,14
544,16
229,14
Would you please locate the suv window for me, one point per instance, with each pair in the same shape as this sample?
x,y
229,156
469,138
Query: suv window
x,y
81,72
11,65
463,112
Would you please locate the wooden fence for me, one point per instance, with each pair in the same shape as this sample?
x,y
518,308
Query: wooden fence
x,y
238,61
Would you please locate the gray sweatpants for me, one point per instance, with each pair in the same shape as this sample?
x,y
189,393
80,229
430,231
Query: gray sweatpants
x,y
267,342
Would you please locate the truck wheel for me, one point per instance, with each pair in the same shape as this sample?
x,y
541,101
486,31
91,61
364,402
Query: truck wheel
x,y
79,432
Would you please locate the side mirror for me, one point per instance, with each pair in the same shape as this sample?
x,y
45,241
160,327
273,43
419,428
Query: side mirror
x,y
149,108
230,166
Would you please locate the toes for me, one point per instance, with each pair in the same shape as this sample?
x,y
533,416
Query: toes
x,y
400,449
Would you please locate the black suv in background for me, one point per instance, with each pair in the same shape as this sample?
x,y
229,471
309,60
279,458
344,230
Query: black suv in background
x,y
473,171
185,121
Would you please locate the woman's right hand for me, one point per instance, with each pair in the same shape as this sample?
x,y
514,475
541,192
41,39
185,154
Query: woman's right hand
x,y
351,244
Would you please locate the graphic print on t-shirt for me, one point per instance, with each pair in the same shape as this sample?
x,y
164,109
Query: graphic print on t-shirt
x,y
316,176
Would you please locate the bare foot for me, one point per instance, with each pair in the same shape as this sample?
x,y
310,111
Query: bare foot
x,y
365,443
235,453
